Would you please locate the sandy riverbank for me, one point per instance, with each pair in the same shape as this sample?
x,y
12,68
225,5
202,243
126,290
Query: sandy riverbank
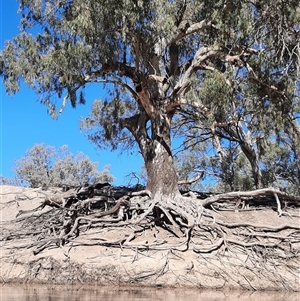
x,y
77,263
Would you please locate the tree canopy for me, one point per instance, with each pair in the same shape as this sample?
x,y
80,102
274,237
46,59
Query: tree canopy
x,y
45,166
227,71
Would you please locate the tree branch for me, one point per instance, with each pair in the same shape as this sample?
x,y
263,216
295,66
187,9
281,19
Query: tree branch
x,y
191,181
108,68
247,195
201,56
190,29
182,101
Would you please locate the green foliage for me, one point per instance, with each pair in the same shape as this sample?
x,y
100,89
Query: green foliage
x,y
44,166
254,102
281,165
104,123
74,38
216,95
243,95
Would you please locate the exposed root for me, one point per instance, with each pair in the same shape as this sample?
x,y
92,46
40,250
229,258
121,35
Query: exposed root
x,y
119,218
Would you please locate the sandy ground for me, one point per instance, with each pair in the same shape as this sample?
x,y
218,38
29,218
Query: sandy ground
x,y
77,263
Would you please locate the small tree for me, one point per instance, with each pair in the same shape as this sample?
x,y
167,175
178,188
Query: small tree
x,y
44,166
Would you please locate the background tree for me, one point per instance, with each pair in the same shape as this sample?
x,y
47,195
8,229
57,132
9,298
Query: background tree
x,y
44,166
252,103
243,130
149,55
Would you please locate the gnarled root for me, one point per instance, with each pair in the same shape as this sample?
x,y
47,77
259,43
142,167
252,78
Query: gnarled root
x,y
193,222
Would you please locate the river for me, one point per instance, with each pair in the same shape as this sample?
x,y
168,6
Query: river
x,y
90,293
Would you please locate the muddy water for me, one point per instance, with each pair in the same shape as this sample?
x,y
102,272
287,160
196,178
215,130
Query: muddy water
x,y
91,293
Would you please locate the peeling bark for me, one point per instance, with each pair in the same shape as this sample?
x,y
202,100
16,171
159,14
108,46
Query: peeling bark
x,y
156,152
162,178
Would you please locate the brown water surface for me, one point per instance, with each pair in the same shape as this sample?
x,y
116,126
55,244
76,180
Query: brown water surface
x,y
91,293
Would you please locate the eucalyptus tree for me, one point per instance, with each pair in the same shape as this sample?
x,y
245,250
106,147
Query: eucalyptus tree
x,y
46,166
255,101
268,138
148,55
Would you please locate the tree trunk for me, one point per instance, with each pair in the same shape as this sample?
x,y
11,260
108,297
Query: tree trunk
x,y
250,153
156,151
256,171
162,177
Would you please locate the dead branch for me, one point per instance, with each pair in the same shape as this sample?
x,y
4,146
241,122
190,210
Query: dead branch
x,y
248,195
191,181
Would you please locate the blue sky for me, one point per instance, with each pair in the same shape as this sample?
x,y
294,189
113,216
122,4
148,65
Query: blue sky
x,y
24,122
